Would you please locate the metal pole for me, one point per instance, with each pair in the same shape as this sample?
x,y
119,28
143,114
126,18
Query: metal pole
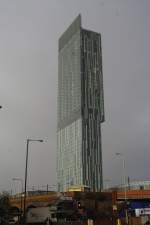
x,y
124,181
21,196
47,188
25,181
125,188
125,191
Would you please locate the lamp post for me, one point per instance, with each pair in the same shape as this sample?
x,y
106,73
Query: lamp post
x,y
26,173
124,182
123,167
21,181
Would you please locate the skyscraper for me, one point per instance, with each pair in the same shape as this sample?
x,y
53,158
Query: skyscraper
x,y
80,108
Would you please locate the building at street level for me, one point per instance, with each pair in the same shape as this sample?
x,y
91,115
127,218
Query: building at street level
x,y
80,108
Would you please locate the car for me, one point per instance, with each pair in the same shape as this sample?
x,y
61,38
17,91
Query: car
x,y
12,222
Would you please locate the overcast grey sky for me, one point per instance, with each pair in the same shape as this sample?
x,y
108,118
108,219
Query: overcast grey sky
x,y
29,32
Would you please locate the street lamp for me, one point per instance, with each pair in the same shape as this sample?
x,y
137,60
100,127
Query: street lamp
x,y
124,181
26,173
119,154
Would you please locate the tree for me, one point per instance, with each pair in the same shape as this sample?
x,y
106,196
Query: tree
x,y
4,208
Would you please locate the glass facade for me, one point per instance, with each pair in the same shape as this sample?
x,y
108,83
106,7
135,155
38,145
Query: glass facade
x,y
69,166
69,82
80,108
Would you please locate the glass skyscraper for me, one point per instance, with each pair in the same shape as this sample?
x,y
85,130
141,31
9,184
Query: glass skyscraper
x,y
80,108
